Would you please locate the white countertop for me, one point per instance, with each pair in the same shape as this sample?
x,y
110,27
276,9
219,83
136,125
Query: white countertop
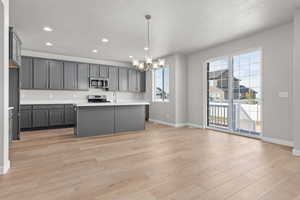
x,y
85,103
48,102
128,103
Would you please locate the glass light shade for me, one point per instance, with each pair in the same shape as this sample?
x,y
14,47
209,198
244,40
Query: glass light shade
x,y
148,60
155,65
161,62
135,63
141,66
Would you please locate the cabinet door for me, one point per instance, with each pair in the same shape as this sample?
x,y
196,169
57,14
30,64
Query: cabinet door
x,y
26,73
69,115
40,73
94,70
56,74
83,76
141,81
40,118
132,80
123,79
56,117
26,119
113,75
103,71
70,75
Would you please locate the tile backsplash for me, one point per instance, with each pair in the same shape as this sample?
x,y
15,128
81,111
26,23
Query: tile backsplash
x,y
64,95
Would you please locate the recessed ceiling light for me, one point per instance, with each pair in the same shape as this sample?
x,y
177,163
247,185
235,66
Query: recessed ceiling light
x,y
49,44
95,51
105,40
130,56
48,29
146,48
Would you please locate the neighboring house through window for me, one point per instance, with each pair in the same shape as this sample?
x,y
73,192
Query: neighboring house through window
x,y
161,88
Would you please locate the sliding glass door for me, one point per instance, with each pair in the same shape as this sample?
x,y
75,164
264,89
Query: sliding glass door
x,y
234,93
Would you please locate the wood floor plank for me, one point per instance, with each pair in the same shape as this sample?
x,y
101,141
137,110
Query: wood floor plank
x,y
160,163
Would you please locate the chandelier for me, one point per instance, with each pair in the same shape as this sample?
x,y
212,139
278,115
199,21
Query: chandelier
x,y
148,63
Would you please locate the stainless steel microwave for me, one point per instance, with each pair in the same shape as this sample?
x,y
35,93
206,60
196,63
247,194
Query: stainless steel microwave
x,y
100,83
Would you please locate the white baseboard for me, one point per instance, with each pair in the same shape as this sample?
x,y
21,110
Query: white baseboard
x,y
4,169
278,141
167,123
194,125
296,152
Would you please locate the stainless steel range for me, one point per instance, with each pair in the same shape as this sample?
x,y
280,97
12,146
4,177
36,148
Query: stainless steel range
x,y
97,99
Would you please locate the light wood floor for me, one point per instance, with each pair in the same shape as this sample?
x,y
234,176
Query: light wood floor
x,y
159,163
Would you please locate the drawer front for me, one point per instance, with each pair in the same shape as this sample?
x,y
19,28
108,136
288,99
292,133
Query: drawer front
x,y
26,107
48,106
69,106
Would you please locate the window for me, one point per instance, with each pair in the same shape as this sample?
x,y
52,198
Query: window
x,y
161,88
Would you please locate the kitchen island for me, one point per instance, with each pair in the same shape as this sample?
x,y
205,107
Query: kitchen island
x,y
107,118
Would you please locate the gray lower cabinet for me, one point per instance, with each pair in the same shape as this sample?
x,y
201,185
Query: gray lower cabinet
x,y
129,118
46,116
11,125
123,79
92,121
69,115
40,73
57,116
26,119
26,72
56,72
132,80
40,118
113,75
83,76
70,75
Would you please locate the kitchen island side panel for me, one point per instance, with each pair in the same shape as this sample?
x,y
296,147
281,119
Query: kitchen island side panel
x,y
129,118
92,121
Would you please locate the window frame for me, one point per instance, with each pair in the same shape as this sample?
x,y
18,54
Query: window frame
x,y
163,99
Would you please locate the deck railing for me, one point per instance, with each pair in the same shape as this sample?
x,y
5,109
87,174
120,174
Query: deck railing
x,y
218,115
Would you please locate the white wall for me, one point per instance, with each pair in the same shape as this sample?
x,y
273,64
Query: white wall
x,y
62,95
172,112
181,89
277,46
296,84
4,28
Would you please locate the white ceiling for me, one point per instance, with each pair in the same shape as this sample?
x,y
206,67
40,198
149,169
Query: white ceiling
x,y
177,25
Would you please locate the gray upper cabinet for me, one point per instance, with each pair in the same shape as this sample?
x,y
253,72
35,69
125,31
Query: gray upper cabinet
x,y
104,71
56,72
141,81
14,48
94,70
113,74
26,70
132,80
40,73
123,79
83,74
70,75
